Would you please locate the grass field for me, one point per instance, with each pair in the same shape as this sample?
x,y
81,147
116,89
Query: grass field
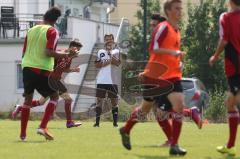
x,y
87,142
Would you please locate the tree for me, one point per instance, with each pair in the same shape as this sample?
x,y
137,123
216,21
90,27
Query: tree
x,y
136,52
201,37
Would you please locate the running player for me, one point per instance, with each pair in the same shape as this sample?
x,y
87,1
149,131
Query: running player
x,y
230,41
164,104
37,63
164,50
61,65
108,60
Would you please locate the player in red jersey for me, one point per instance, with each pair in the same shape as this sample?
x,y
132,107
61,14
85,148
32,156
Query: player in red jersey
x,y
230,41
61,65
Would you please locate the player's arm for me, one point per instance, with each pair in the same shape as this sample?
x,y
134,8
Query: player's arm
x,y
69,70
100,62
116,61
52,38
222,42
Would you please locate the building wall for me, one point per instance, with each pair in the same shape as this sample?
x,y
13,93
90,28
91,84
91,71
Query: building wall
x,y
11,54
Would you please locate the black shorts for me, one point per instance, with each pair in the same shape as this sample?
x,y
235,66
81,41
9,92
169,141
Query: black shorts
x,y
234,84
32,81
165,91
111,90
57,85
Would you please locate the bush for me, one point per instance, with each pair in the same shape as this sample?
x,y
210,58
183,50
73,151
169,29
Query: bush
x,y
217,110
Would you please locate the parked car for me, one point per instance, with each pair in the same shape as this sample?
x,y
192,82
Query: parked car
x,y
195,93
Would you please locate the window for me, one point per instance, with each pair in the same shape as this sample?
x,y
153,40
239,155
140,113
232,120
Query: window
x,y
187,84
19,76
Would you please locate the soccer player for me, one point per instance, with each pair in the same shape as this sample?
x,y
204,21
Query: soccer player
x,y
108,60
230,41
37,63
61,65
165,51
163,103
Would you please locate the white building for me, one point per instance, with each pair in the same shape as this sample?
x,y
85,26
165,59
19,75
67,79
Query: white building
x,y
89,31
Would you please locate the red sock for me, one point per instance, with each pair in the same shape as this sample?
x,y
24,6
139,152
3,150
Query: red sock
x,y
35,103
187,112
233,118
68,110
24,121
177,126
133,119
48,113
166,127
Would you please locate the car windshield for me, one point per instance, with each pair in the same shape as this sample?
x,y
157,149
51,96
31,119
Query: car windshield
x,y
186,84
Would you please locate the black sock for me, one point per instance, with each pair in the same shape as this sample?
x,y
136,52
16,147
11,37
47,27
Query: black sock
x,y
98,114
115,115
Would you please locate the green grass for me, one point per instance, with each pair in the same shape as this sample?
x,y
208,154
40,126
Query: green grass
x,y
87,142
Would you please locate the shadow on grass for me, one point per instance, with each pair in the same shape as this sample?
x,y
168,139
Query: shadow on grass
x,y
158,157
223,157
31,142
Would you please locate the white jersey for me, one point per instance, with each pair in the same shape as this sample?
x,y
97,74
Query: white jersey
x,y
108,74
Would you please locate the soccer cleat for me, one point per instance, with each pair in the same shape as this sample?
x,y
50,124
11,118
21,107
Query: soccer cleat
x,y
176,150
224,150
96,125
45,133
16,111
71,124
125,139
23,138
115,125
166,144
196,117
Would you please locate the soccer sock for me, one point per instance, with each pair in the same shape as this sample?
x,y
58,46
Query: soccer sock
x,y
98,114
166,127
115,114
48,113
24,121
35,103
233,118
135,115
177,126
68,110
187,112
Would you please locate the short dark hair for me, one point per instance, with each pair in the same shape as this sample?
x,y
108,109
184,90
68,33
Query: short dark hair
x,y
75,43
107,35
52,14
237,2
168,4
158,17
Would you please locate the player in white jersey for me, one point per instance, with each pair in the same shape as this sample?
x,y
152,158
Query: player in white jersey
x,y
108,61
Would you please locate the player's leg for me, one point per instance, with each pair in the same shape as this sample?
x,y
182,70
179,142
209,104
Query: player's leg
x,y
137,115
177,101
161,109
194,114
100,95
67,106
114,102
35,103
112,94
44,89
29,86
233,119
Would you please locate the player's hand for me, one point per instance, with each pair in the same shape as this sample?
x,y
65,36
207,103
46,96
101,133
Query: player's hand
x,y
212,60
73,52
76,69
141,76
180,54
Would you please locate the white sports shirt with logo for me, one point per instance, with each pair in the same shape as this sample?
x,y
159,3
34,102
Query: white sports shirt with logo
x,y
108,74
